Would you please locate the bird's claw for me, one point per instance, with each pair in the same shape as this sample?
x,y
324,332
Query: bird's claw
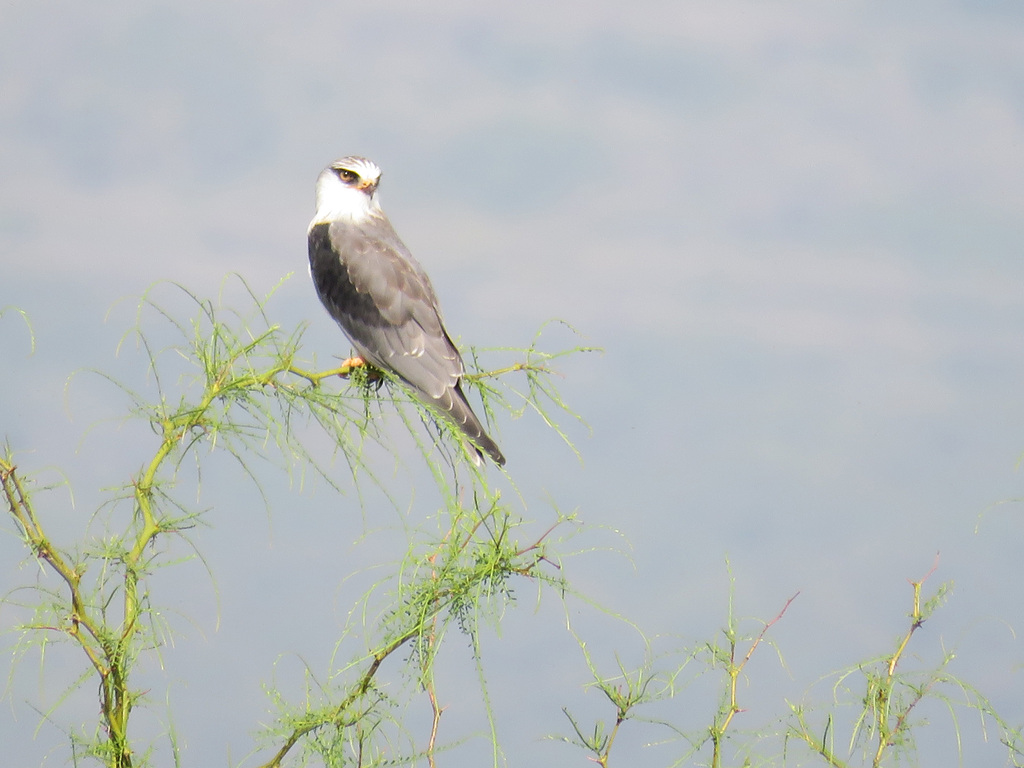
x,y
371,376
349,363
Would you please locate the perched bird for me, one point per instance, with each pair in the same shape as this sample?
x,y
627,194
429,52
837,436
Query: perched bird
x,y
381,297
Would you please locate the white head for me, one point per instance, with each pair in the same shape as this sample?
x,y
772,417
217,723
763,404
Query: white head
x,y
347,190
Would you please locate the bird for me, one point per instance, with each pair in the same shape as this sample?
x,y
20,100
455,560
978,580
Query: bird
x,y
383,300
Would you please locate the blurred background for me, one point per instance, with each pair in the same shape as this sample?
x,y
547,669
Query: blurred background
x,y
795,229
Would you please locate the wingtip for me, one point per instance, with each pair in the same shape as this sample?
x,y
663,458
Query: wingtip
x,y
476,453
483,444
498,458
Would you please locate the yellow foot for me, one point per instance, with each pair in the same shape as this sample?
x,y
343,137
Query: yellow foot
x,y
373,377
348,364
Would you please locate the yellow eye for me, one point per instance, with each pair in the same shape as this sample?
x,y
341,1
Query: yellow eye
x,y
347,176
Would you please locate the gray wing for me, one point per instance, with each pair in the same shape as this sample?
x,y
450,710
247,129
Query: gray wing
x,y
383,300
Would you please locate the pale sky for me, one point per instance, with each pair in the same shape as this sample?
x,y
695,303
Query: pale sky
x,y
794,227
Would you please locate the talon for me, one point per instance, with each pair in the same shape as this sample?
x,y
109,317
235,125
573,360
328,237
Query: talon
x,y
349,363
373,377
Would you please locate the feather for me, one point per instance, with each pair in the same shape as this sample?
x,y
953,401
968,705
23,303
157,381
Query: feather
x,y
382,299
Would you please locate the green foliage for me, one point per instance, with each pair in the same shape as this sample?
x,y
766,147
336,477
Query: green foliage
x,y
626,692
658,680
885,693
876,700
237,384
24,317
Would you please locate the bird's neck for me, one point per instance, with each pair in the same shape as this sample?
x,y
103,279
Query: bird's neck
x,y
338,203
